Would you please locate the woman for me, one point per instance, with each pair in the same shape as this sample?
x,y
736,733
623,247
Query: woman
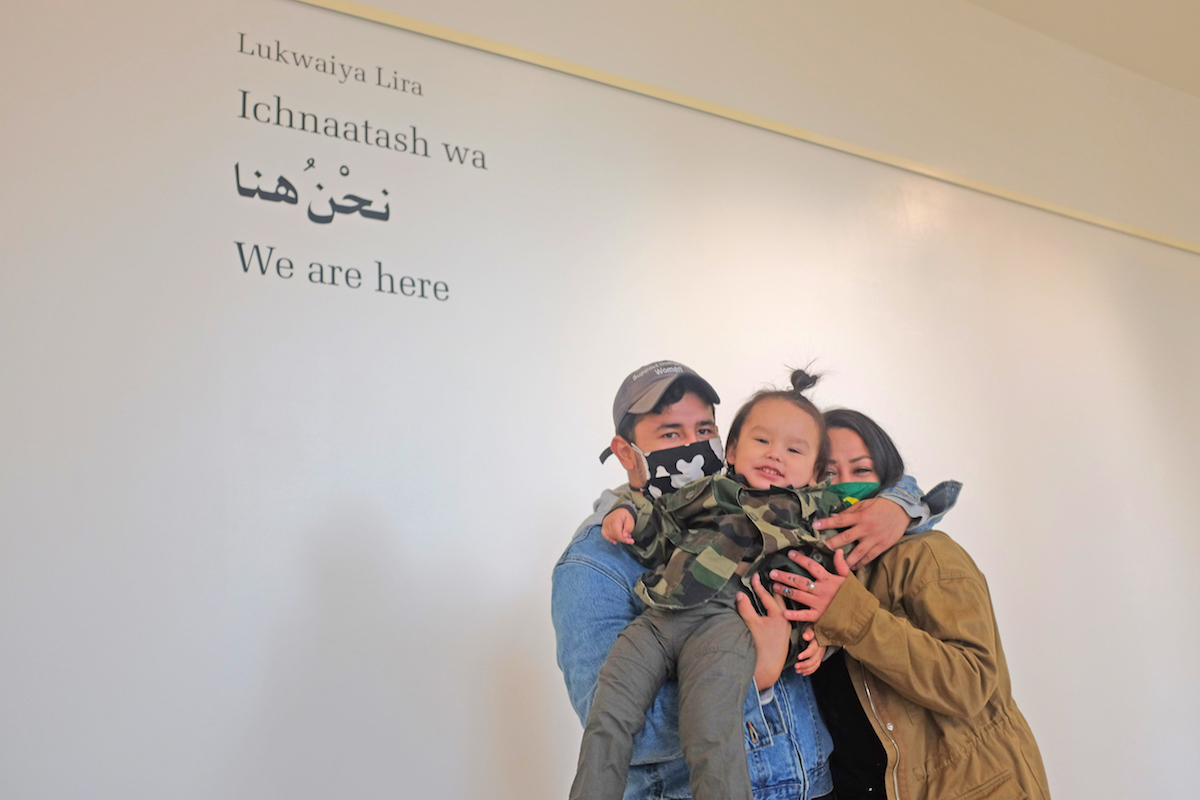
x,y
921,706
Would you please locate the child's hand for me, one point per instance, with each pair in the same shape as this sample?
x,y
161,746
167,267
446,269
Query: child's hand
x,y
812,657
618,526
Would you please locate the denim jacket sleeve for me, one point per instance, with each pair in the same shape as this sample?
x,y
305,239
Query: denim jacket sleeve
x,y
592,600
926,510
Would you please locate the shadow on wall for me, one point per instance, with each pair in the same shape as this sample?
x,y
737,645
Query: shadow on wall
x,y
521,680
385,681
352,704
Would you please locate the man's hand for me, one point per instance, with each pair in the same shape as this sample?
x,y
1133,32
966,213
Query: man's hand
x,y
771,633
618,526
875,524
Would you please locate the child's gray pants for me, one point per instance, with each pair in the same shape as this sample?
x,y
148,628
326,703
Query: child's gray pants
x,y
711,652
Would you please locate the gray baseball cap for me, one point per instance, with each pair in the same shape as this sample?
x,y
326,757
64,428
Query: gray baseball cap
x,y
643,388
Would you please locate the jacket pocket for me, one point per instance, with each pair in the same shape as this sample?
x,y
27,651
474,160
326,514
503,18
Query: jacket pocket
x,y
763,726
695,540
1002,787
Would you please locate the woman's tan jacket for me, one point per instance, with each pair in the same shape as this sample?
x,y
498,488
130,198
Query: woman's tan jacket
x,y
926,661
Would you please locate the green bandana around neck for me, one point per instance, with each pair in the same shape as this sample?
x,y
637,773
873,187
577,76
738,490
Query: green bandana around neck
x,y
853,492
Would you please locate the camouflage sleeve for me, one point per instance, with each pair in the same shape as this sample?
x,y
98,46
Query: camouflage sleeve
x,y
626,505
785,517
651,545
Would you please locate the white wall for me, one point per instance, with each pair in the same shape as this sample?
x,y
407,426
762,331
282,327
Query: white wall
x,y
267,538
941,82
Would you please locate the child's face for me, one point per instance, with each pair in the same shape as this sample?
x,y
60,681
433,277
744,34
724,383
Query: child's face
x,y
777,446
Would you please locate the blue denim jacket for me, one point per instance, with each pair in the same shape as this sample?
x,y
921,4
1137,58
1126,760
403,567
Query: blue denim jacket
x,y
787,745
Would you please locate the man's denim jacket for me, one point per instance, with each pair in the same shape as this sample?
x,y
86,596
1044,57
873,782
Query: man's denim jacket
x,y
786,742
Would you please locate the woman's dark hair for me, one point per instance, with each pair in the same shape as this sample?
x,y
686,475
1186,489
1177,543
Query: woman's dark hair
x,y
889,466
801,382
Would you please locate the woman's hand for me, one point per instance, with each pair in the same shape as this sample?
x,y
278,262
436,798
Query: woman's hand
x,y
817,593
771,633
875,524
813,655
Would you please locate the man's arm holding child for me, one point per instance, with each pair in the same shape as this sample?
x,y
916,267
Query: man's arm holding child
x,y
592,600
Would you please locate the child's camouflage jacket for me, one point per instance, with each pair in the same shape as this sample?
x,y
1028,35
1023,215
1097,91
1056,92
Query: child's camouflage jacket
x,y
693,540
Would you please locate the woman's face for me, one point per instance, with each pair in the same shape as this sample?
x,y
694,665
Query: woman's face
x,y
849,461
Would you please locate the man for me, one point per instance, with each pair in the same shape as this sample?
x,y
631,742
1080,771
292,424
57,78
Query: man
x,y
666,409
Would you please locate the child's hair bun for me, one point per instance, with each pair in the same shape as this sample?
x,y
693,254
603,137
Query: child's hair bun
x,y
802,381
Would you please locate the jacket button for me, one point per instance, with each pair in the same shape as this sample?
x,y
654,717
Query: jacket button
x,y
889,726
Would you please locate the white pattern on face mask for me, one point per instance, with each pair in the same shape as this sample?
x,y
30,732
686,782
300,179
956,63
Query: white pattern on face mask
x,y
672,468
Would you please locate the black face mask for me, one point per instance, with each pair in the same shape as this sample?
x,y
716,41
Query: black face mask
x,y
672,468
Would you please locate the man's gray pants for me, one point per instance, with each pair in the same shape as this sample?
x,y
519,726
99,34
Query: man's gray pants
x,y
711,652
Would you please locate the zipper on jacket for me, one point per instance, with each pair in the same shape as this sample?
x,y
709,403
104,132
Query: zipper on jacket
x,y
888,733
